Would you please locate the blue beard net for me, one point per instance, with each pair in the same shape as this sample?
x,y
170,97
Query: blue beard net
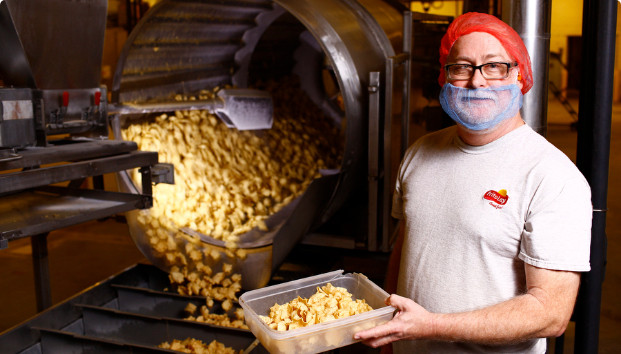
x,y
481,108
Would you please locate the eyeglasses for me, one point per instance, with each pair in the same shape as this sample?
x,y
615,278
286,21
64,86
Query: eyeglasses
x,y
490,71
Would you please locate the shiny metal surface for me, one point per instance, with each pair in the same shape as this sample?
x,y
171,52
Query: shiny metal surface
x,y
354,43
531,20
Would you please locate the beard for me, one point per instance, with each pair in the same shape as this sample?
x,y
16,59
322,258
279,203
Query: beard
x,y
483,108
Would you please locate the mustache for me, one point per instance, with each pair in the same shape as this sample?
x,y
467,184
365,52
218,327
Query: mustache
x,y
474,96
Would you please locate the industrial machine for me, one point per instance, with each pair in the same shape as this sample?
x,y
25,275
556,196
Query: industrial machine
x,y
50,90
54,123
353,59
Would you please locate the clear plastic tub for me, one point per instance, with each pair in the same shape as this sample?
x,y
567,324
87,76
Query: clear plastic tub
x,y
322,336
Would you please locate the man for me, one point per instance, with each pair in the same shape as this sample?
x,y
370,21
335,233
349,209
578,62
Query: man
x,y
495,220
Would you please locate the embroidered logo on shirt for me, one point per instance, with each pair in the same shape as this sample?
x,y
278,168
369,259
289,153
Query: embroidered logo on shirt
x,y
497,199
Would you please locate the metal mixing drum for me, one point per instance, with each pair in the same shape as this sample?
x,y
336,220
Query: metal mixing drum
x,y
181,47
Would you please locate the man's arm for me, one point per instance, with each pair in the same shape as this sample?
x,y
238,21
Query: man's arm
x,y
543,311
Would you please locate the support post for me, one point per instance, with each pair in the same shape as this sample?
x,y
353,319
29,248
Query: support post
x,y
594,121
41,267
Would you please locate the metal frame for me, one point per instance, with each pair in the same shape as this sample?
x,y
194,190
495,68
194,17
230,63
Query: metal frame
x,y
374,162
11,182
381,227
25,194
44,209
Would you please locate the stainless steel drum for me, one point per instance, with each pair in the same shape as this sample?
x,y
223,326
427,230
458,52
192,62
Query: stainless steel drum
x,y
181,47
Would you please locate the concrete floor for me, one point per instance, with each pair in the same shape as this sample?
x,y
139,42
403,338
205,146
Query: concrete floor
x,y
82,255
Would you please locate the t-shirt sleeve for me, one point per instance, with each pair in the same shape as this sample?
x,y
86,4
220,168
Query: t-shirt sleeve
x,y
397,210
397,202
557,231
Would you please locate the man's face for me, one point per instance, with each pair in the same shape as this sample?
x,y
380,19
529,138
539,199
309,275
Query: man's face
x,y
476,49
479,48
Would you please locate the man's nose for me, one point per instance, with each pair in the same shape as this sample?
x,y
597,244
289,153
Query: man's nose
x,y
477,79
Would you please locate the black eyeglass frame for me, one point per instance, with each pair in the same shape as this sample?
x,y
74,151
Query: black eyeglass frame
x,y
480,68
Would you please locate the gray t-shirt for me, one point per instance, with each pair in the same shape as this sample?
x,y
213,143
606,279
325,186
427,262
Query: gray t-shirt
x,y
475,214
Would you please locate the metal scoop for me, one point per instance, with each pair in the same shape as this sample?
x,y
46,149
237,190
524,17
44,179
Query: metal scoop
x,y
243,109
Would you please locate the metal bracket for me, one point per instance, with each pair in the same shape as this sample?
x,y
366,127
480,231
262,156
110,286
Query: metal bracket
x,y
163,173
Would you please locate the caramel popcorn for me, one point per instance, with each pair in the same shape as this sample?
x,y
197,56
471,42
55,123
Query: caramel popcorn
x,y
195,346
327,304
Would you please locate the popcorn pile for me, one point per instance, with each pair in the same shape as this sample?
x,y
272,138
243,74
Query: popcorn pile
x,y
195,346
327,304
216,319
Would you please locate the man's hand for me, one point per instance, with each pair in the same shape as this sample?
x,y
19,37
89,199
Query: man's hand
x,y
411,321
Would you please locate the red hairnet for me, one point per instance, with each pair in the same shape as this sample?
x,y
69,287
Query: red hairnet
x,y
478,22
